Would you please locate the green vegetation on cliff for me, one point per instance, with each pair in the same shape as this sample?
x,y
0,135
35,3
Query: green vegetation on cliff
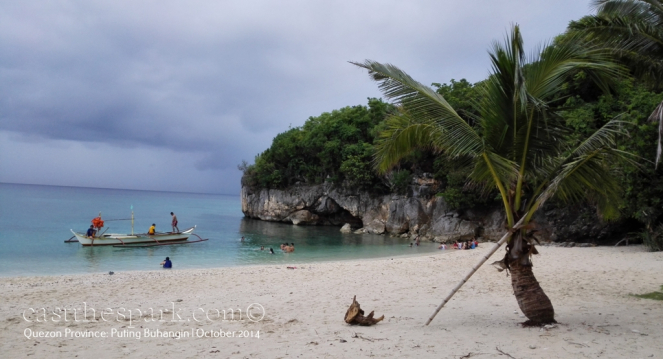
x,y
338,147
333,147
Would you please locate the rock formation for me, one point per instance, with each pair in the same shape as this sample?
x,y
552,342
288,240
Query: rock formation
x,y
417,214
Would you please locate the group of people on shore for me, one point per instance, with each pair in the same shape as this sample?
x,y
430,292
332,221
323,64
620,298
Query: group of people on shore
x,y
467,244
462,245
458,245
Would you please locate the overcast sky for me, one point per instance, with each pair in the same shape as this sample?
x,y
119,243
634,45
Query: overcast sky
x,y
173,95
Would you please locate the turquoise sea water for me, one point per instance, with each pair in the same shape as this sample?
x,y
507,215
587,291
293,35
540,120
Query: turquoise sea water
x,y
35,221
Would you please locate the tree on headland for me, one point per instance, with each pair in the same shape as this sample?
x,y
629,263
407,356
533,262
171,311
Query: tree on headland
x,y
515,143
632,30
333,147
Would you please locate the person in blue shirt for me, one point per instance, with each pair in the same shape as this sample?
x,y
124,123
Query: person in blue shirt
x,y
167,263
91,232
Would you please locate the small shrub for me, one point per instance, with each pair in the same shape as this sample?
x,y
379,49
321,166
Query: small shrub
x,y
400,181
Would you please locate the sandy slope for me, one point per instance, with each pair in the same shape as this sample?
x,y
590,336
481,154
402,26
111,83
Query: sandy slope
x,y
304,309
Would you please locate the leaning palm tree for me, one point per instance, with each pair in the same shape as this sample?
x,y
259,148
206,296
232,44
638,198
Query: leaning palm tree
x,y
516,144
633,31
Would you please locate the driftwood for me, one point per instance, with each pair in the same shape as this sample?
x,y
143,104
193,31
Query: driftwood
x,y
625,239
355,315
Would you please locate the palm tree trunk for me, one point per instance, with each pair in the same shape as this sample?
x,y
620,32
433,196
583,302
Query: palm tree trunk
x,y
533,302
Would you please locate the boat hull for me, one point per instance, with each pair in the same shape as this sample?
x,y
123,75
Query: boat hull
x,y
121,239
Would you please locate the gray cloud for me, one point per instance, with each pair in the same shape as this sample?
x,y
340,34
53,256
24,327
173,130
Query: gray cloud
x,y
209,83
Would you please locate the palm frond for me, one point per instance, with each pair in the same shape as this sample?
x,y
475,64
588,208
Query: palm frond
x,y
604,137
402,135
507,61
545,140
622,31
421,102
588,178
627,7
546,75
505,93
495,168
586,174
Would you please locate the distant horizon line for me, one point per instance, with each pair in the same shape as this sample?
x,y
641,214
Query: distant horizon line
x,y
121,189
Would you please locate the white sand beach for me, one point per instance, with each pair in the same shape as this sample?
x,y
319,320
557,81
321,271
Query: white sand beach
x,y
304,310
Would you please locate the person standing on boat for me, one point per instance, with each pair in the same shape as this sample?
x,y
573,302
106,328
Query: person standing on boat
x,y
167,263
174,223
91,232
152,229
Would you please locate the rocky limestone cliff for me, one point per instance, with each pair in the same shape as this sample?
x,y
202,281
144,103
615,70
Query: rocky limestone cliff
x,y
427,217
416,215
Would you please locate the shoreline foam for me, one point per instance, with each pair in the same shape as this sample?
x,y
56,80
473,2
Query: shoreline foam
x,y
296,261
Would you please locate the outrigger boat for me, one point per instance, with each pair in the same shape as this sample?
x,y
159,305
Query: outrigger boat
x,y
132,240
138,238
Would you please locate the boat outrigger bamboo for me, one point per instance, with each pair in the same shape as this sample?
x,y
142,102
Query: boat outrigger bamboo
x,y
133,239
